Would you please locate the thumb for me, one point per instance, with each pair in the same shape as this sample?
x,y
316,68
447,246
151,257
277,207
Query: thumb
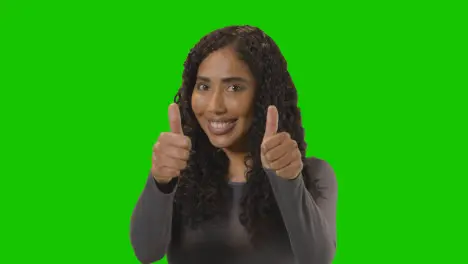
x,y
174,119
271,122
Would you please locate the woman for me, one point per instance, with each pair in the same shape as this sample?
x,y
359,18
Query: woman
x,y
230,182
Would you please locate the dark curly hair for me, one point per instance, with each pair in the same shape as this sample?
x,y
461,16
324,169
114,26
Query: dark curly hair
x,y
203,191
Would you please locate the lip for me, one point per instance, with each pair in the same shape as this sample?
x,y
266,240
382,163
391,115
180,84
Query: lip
x,y
221,119
218,131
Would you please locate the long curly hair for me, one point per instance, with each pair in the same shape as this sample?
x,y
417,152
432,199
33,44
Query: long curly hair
x,y
203,192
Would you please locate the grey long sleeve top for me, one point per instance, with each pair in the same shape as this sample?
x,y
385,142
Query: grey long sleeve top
x,y
310,225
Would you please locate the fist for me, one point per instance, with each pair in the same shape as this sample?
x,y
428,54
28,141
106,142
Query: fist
x,y
278,151
171,151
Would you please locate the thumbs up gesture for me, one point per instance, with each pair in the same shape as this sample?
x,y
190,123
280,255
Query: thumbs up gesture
x,y
278,151
171,151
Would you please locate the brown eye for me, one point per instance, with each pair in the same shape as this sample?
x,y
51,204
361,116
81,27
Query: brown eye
x,y
235,88
202,87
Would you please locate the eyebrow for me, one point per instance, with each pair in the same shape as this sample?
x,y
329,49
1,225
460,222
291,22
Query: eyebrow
x,y
225,80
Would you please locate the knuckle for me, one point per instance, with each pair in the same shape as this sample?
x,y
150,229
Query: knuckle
x,y
159,149
156,145
298,163
294,143
275,165
181,153
156,157
296,154
179,164
272,165
167,172
156,171
293,152
188,142
175,173
284,136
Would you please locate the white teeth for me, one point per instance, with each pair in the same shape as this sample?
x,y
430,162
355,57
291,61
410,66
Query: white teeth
x,y
219,124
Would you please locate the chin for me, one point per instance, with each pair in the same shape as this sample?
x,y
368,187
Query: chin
x,y
220,142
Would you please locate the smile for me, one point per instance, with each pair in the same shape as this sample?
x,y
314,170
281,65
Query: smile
x,y
221,127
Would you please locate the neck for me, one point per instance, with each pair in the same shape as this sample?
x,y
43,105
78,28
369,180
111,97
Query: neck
x,y
237,168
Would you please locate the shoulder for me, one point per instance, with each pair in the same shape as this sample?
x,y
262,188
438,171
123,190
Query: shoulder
x,y
322,173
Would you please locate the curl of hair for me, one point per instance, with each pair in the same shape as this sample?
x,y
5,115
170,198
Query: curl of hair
x,y
203,192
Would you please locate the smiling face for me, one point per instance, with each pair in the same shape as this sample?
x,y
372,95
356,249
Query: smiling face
x,y
222,99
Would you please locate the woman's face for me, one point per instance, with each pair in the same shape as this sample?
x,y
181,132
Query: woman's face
x,y
222,99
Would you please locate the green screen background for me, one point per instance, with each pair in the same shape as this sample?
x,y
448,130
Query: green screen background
x,y
84,91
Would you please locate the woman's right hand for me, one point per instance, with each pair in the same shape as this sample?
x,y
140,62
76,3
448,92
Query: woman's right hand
x,y
171,151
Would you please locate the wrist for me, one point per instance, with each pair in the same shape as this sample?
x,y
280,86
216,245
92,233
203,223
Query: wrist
x,y
162,181
166,186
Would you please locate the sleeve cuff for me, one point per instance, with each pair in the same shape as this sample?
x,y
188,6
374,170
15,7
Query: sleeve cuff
x,y
167,189
283,186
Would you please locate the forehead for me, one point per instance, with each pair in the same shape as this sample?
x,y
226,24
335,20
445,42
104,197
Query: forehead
x,y
224,63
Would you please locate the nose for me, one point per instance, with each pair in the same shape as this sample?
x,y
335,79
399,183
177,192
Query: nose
x,y
217,104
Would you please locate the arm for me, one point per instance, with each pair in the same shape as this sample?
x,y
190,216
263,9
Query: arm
x,y
151,222
310,223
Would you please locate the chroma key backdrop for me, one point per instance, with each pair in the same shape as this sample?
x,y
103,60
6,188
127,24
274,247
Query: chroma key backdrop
x,y
85,87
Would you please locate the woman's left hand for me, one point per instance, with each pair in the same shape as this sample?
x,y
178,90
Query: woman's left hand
x,y
279,152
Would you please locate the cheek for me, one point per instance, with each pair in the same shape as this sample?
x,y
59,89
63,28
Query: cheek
x,y
197,104
245,106
249,111
243,109
249,118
